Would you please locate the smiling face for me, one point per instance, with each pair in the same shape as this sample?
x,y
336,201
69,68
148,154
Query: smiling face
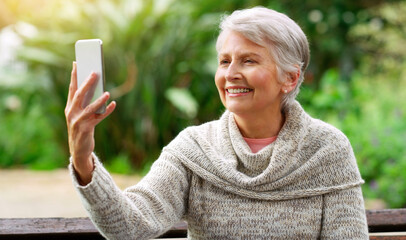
x,y
246,77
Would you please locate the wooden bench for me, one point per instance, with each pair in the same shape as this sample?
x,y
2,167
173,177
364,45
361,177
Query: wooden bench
x,y
389,224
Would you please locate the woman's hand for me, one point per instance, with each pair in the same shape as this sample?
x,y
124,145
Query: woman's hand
x,y
81,123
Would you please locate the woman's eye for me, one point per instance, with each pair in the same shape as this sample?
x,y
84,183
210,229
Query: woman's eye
x,y
249,61
222,62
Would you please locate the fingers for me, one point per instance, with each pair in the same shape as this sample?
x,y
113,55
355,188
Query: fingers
x,y
97,104
73,82
80,93
73,85
89,112
110,108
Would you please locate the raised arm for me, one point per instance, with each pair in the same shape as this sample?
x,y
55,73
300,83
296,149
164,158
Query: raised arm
x,y
81,123
143,211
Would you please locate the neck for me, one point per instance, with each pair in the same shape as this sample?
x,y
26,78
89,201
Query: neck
x,y
256,126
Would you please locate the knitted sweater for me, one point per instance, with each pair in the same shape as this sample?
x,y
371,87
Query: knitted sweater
x,y
305,185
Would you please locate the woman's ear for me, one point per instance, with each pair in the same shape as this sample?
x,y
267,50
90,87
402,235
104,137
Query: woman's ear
x,y
292,79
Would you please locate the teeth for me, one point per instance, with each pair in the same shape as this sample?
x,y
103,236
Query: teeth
x,y
238,90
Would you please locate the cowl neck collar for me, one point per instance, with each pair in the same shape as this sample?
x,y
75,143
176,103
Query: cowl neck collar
x,y
308,158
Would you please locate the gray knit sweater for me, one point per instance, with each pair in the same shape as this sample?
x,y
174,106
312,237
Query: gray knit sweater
x,y
305,185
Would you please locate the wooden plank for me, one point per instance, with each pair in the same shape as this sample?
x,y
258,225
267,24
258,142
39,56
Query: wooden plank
x,y
388,234
48,229
45,225
393,237
64,228
386,220
54,236
387,238
170,238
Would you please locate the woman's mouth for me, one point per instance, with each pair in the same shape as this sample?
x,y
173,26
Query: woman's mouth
x,y
238,90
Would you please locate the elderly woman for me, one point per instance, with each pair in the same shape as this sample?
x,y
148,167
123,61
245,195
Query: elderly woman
x,y
264,170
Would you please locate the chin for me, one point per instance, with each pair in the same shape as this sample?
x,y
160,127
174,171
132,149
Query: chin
x,y
239,110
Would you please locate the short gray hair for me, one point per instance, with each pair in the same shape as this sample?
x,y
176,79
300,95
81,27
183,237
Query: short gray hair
x,y
275,31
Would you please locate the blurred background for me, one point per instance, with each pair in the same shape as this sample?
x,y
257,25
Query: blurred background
x,y
160,62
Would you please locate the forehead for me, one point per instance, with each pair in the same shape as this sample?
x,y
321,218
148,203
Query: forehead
x,y
234,42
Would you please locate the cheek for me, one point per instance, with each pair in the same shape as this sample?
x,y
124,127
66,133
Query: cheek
x,y
260,79
267,80
218,80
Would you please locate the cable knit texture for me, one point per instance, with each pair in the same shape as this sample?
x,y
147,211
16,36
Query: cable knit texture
x,y
305,185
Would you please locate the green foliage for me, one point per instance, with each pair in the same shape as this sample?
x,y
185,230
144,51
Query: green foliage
x,y
120,164
380,134
160,62
28,122
371,113
370,108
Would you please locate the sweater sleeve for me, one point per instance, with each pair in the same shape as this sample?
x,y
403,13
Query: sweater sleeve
x,y
344,215
143,211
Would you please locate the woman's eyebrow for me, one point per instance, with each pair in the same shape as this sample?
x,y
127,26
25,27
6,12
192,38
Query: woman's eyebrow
x,y
250,54
241,55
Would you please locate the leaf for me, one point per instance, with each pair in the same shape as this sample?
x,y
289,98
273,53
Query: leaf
x,y
183,100
40,55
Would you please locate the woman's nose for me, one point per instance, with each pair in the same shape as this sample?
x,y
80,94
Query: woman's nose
x,y
232,72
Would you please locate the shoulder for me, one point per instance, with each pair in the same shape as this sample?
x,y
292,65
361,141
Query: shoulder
x,y
325,131
306,129
326,134
327,147
330,146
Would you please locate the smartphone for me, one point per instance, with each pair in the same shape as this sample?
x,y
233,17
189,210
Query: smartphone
x,y
89,58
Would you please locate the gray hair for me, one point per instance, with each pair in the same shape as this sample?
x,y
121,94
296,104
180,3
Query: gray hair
x,y
278,33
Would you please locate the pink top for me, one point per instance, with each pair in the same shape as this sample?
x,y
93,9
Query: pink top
x,y
257,144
